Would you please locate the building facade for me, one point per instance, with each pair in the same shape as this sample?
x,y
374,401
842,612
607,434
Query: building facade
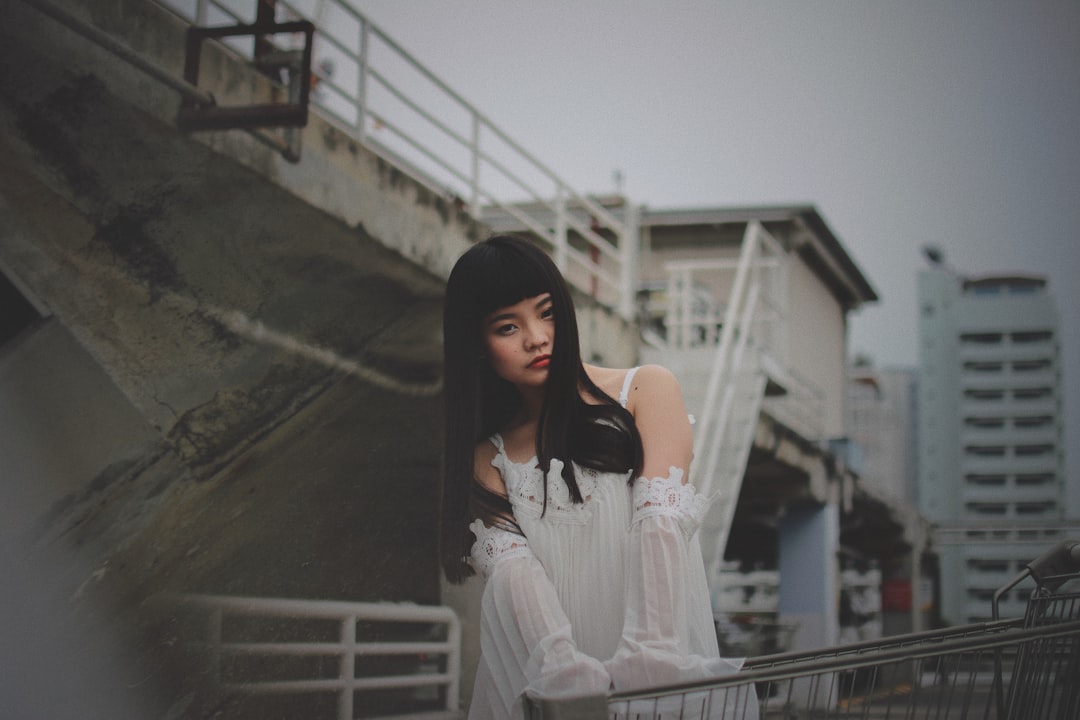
x,y
881,425
990,420
880,416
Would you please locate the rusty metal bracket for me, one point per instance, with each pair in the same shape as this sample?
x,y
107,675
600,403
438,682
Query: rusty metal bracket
x,y
291,114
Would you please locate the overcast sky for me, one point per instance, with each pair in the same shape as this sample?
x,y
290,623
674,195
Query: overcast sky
x,y
955,123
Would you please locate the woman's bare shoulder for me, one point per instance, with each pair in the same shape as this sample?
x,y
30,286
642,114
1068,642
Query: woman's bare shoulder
x,y
651,383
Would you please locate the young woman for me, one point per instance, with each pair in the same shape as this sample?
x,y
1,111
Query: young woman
x,y
564,486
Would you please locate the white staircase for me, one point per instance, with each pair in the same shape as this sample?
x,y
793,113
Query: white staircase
x,y
721,354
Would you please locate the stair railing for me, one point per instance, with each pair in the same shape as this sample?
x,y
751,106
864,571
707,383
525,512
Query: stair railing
x,y
737,326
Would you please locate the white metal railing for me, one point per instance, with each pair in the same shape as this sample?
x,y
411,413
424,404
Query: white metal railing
x,y
742,326
437,653
381,95
701,296
801,408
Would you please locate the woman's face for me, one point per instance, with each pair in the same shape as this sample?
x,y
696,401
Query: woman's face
x,y
517,340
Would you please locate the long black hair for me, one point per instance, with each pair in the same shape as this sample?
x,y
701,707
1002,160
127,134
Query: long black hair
x,y
493,274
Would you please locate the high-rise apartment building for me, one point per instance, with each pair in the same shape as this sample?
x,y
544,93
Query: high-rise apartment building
x,y
990,453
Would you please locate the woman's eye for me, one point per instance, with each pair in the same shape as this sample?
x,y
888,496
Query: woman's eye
x,y
548,313
504,329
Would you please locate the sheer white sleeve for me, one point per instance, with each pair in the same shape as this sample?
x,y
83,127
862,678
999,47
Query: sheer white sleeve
x,y
665,593
524,632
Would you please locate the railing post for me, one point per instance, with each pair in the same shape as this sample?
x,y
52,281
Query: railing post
x,y
559,241
474,178
361,81
671,315
453,663
686,297
629,248
720,362
347,667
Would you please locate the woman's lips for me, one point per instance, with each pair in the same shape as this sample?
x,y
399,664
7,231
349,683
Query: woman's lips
x,y
541,362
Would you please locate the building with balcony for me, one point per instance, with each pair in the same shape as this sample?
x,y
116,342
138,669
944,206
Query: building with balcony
x,y
991,457
749,307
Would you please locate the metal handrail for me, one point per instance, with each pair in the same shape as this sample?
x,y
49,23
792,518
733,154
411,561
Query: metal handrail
x,y
347,648
743,288
486,177
838,660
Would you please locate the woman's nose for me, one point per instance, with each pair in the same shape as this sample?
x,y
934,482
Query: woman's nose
x,y
537,335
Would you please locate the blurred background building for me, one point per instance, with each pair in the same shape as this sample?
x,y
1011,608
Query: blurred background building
x,y
991,459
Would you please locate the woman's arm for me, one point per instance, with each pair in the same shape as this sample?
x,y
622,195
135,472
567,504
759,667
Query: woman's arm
x,y
525,635
667,607
655,400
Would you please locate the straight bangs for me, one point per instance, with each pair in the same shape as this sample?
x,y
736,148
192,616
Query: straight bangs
x,y
506,278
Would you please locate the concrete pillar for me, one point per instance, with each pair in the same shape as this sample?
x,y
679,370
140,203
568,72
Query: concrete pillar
x,y
809,539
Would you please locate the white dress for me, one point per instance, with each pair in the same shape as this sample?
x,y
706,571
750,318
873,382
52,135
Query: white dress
x,y
605,595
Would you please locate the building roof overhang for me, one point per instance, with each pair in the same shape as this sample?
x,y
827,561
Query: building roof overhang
x,y
809,236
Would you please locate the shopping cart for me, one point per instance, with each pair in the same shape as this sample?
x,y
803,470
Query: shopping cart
x,y
1017,669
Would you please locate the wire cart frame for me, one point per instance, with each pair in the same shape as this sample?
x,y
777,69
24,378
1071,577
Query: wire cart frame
x,y
1013,669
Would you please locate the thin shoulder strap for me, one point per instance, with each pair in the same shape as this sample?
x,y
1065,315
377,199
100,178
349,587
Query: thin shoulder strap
x,y
624,395
497,441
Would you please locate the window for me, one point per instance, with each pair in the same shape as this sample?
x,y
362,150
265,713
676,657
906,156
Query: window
x,y
1035,479
985,480
983,508
985,394
981,565
1034,508
1033,421
1031,365
983,367
1031,336
980,338
1034,450
1032,393
985,422
985,450
17,315
986,290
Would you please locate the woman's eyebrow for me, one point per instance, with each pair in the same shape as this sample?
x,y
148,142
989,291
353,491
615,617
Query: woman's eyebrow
x,y
500,317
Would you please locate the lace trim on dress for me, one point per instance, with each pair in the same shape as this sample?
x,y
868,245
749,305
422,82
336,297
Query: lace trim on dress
x,y
668,496
525,486
493,544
